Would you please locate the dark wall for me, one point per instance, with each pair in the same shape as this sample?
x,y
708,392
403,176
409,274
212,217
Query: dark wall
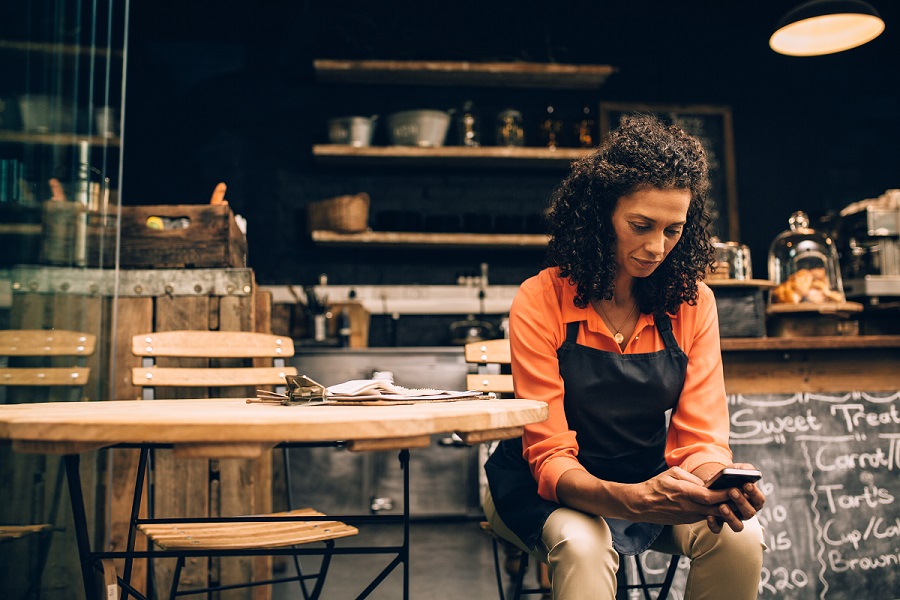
x,y
224,91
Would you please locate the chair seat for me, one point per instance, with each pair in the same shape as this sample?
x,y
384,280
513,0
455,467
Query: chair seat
x,y
15,532
236,535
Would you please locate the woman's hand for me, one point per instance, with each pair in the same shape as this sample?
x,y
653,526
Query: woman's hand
x,y
673,497
739,504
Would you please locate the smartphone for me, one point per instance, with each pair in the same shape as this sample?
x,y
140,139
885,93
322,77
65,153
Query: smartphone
x,y
733,478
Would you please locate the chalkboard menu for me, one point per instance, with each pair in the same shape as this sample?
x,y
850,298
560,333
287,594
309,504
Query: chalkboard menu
x,y
712,126
832,513
830,466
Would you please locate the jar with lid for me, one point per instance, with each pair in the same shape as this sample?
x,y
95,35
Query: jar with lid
x,y
732,261
803,263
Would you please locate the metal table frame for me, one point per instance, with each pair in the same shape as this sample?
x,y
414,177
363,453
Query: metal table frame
x,y
91,561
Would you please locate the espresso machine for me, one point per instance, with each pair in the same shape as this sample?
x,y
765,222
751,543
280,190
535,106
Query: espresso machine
x,y
869,241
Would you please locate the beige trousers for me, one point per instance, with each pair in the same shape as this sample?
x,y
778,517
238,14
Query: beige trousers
x,y
583,564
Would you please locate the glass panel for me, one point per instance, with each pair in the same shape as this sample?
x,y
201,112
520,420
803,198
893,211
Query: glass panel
x,y
60,106
62,67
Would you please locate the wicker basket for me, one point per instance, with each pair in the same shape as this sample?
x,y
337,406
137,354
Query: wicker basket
x,y
348,214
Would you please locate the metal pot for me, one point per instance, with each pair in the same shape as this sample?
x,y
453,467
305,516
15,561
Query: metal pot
x,y
471,330
353,131
424,128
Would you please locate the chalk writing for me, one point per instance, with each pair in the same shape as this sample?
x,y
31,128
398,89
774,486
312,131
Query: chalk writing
x,y
831,520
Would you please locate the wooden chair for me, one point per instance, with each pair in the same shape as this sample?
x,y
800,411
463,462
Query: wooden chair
x,y
37,354
37,357
491,359
219,539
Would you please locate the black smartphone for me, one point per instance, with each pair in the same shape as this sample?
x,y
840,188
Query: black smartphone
x,y
733,478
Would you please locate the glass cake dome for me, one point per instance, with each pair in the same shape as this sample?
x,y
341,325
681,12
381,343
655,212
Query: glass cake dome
x,y
803,263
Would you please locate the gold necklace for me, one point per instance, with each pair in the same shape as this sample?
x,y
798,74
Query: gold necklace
x,y
618,336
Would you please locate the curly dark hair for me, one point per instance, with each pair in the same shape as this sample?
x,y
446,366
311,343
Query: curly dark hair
x,y
641,152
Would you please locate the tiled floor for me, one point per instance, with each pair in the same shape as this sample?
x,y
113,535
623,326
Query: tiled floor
x,y
448,559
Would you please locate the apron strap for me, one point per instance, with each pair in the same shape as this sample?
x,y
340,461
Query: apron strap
x,y
572,332
664,326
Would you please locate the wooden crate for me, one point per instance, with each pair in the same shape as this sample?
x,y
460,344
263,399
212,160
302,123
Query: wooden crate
x,y
146,300
193,236
741,308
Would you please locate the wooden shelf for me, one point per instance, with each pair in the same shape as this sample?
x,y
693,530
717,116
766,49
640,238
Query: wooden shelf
x,y
57,139
459,156
483,74
739,283
64,49
429,240
20,228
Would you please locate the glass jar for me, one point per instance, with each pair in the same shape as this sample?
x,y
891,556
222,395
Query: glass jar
x,y
732,261
509,128
804,264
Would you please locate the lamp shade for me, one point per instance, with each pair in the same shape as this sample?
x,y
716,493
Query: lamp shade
x,y
825,27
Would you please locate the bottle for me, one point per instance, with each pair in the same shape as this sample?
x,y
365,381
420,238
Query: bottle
x,y
584,129
469,126
550,128
344,329
82,197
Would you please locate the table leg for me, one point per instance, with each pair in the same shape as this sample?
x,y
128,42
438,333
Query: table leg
x,y
80,522
404,464
132,527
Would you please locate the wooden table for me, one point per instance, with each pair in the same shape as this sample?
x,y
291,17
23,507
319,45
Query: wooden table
x,y
234,428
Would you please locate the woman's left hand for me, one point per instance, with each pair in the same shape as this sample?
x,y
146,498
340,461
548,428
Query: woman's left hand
x,y
736,504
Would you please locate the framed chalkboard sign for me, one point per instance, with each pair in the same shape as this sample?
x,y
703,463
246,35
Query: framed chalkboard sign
x,y
712,125
831,517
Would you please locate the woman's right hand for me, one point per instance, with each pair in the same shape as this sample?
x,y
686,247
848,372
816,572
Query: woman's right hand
x,y
676,496
673,497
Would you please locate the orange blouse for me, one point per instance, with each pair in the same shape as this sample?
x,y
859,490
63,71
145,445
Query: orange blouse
x,y
698,430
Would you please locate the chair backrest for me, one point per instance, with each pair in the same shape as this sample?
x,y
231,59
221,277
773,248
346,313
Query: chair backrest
x,y
231,348
38,357
491,356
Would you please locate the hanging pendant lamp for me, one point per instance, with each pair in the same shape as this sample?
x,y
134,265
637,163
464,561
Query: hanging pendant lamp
x,y
825,27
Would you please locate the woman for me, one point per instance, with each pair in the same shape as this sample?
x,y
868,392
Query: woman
x,y
615,333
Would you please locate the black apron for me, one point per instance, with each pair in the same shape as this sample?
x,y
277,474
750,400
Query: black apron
x,y
616,404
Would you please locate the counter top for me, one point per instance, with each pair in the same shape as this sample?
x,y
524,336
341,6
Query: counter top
x,y
831,342
827,364
407,299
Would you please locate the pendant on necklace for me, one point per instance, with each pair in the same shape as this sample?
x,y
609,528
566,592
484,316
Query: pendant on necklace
x,y
619,338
